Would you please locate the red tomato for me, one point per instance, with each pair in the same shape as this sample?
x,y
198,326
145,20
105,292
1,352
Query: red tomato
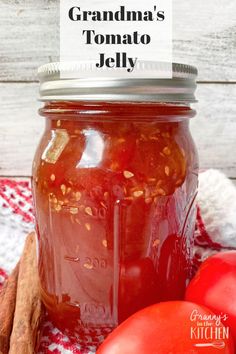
x,y
214,286
174,327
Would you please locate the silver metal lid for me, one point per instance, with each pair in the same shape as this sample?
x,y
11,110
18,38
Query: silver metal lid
x,y
181,88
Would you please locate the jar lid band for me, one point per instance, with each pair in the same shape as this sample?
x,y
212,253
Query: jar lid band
x,y
180,88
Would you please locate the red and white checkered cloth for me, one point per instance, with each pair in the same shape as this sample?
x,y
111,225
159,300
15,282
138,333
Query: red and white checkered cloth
x,y
215,231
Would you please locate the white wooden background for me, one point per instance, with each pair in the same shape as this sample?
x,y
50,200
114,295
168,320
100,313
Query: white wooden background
x,y
204,35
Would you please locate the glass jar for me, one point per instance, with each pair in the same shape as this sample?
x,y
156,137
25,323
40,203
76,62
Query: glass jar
x,y
114,181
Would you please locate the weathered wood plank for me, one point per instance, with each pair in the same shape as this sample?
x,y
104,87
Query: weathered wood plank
x,y
234,181
20,128
204,35
214,128
29,37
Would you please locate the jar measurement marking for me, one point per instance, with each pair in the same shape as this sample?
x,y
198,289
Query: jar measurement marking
x,y
88,262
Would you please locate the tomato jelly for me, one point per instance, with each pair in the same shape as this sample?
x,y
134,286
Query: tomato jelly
x,y
114,180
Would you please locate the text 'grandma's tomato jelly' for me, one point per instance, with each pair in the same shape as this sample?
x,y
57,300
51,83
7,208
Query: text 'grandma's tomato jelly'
x,y
114,181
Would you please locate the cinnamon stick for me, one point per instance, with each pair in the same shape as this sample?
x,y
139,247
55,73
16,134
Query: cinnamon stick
x,y
28,305
7,308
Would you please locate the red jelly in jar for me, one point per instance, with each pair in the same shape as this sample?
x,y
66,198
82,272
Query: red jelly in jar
x,y
115,180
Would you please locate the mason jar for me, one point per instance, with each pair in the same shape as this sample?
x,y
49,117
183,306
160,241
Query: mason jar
x,y
115,180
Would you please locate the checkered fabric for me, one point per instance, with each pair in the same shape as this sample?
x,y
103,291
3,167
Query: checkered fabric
x,y
215,231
